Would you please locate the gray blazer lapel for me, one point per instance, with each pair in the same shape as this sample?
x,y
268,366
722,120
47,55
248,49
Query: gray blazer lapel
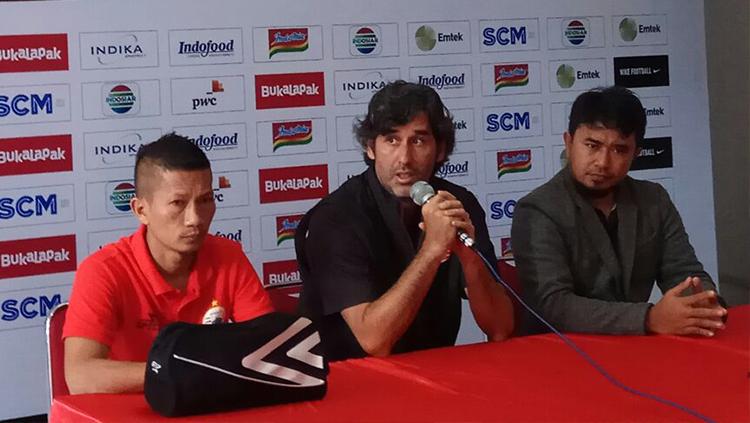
x,y
627,214
595,230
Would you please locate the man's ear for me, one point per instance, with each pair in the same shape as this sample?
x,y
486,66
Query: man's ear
x,y
568,138
370,149
140,209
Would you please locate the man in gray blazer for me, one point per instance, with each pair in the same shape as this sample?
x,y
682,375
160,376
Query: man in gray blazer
x,y
590,243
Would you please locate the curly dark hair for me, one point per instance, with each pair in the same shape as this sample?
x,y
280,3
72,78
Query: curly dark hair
x,y
397,104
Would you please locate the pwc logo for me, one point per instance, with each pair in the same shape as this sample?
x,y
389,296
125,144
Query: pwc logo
x,y
284,90
44,154
33,53
281,273
293,183
286,227
37,256
292,133
206,95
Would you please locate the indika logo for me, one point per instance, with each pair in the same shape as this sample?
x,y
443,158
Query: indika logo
x,y
126,47
513,162
291,133
122,99
289,90
366,41
575,32
286,226
37,256
45,154
33,53
293,183
287,40
280,273
516,75
121,195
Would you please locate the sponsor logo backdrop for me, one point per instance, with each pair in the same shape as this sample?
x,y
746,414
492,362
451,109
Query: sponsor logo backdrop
x,y
79,98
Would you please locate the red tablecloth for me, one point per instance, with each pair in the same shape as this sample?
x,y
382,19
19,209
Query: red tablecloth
x,y
532,379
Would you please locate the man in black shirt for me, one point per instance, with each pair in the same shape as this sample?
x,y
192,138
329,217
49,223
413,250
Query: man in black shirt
x,y
381,275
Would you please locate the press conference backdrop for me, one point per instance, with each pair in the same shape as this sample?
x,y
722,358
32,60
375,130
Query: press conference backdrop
x,y
270,90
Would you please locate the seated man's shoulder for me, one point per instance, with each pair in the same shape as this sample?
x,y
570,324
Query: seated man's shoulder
x,y
647,192
551,194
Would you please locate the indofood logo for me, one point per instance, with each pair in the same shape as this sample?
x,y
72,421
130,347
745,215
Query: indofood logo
x,y
513,162
566,76
449,169
516,75
575,32
121,99
425,37
286,226
121,196
291,133
287,40
366,41
215,141
206,48
439,82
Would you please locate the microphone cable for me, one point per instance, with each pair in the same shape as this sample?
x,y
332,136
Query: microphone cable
x,y
586,356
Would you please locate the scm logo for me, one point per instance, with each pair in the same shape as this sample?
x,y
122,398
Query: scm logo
x,y
27,206
22,104
508,121
500,210
29,307
504,35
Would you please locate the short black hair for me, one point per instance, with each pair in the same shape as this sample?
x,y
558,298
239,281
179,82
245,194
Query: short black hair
x,y
614,107
170,152
397,104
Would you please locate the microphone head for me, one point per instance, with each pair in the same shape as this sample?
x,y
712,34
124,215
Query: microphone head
x,y
420,192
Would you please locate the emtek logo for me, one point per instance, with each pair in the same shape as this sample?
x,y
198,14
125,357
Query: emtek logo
x,y
504,36
28,206
29,307
23,104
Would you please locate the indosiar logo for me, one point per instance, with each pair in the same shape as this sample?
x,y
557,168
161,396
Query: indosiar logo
x,y
575,32
366,41
121,195
28,307
25,104
122,99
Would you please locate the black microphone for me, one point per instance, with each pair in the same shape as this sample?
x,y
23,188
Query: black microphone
x,y
421,192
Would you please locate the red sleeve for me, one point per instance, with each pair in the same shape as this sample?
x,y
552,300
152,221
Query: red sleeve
x,y
250,298
94,302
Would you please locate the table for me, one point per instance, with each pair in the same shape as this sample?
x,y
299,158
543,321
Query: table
x,y
525,379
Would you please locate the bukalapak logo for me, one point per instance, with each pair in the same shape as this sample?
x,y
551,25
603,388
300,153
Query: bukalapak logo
x,y
642,71
286,227
33,53
43,154
656,153
281,273
293,183
284,90
37,256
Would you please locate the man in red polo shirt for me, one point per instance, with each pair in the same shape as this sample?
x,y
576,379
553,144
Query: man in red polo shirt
x,y
169,270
